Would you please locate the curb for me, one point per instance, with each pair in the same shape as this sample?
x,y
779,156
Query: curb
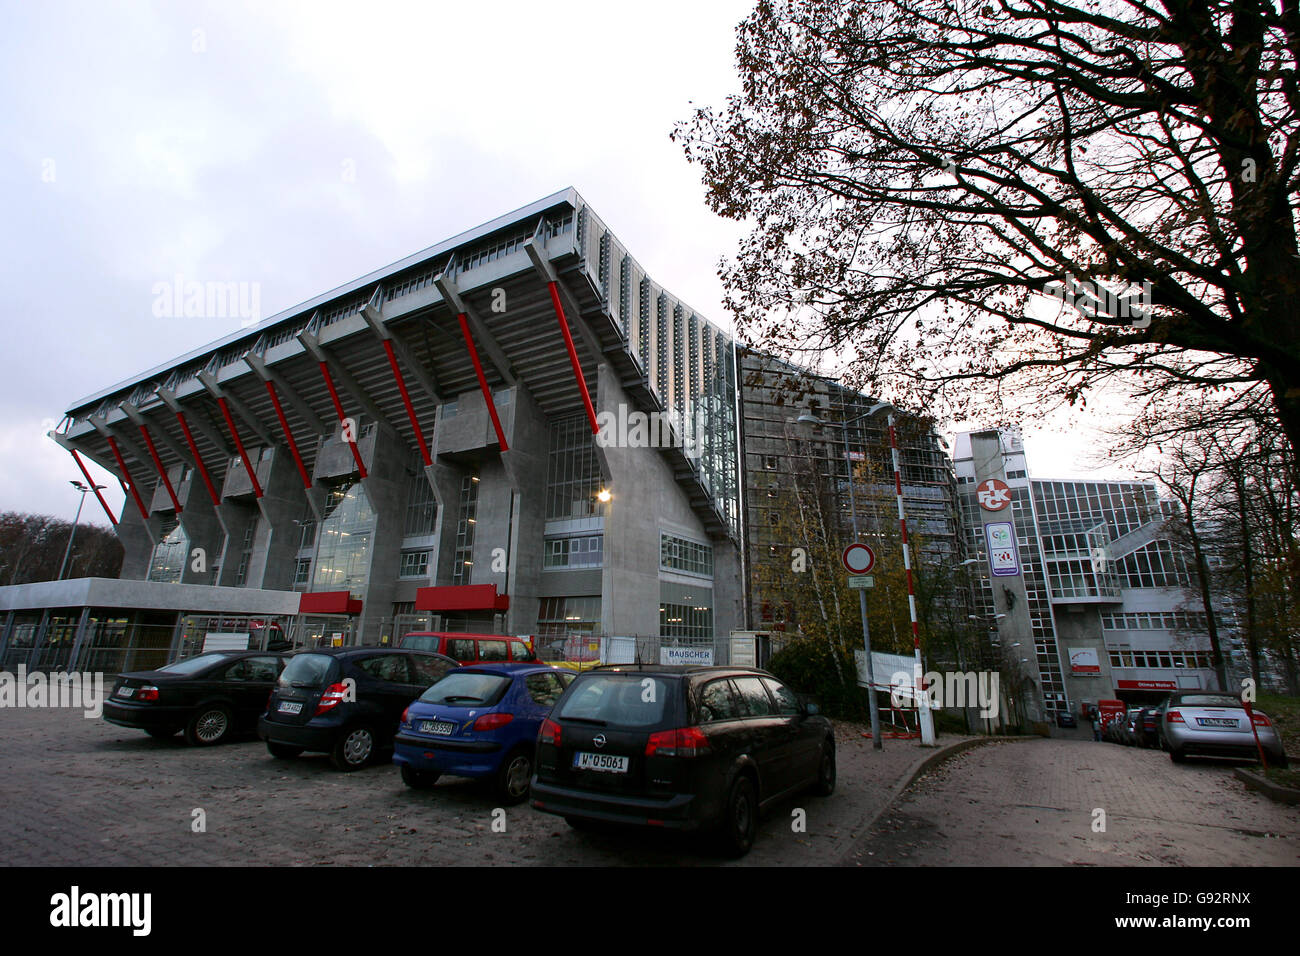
x,y
928,762
1268,788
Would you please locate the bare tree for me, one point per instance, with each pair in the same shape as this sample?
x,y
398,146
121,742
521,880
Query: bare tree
x,y
919,173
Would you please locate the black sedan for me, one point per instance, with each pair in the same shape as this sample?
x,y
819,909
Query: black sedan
x,y
211,697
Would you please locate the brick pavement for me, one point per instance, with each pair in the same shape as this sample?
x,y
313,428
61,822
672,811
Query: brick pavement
x,y
82,792
1032,803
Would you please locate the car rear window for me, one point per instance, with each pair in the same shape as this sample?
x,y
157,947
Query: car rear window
x,y
466,688
1208,700
616,699
420,642
192,665
306,670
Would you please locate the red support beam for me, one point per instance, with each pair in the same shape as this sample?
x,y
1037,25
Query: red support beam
x,y
91,481
198,459
406,400
288,435
249,466
129,482
573,357
157,463
338,407
482,381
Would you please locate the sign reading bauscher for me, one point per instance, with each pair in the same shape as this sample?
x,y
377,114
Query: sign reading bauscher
x,y
686,655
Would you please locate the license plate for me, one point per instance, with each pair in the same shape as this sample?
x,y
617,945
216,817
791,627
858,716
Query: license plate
x,y
604,763
125,691
1216,721
442,727
290,707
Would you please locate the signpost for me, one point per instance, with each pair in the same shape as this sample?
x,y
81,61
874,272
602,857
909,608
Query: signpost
x,y
859,559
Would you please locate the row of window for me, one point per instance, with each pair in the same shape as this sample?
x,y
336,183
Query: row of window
x,y
1153,620
690,557
1161,659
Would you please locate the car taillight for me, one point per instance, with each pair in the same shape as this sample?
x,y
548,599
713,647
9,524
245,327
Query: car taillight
x,y
550,733
332,697
1174,717
682,742
147,693
1259,720
493,721
404,715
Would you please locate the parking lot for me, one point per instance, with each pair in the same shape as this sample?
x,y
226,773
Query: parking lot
x,y
82,792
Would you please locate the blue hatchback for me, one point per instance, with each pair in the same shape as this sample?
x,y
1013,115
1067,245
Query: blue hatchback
x,y
479,721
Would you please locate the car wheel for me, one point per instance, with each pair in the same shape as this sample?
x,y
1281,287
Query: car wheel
x,y
161,733
283,751
354,748
826,771
1177,756
514,776
740,818
419,779
209,725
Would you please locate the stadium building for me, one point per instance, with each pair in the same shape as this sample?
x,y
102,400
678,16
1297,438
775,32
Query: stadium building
x,y
417,449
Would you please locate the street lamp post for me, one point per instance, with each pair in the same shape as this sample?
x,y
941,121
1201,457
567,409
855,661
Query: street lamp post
x,y
67,553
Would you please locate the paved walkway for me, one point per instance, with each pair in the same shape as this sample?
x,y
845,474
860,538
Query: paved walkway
x,y
1033,803
77,791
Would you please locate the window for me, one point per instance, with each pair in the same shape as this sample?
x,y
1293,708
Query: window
x,y
545,689
769,462
429,670
573,473
463,559
263,669
421,507
562,616
415,564
582,551
170,554
343,554
754,697
492,650
246,552
685,610
387,667
679,554
787,703
519,652
462,649
302,573
717,702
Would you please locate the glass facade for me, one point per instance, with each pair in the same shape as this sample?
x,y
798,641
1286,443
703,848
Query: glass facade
x,y
576,551
685,610
689,557
170,554
346,535
562,616
573,477
463,561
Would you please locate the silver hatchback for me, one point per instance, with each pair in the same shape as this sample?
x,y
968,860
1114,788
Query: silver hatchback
x,y
1215,724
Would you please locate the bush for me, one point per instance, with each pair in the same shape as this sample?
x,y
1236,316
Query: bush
x,y
808,666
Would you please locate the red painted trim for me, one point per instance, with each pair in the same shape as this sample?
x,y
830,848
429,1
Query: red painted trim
x,y
249,466
129,482
288,435
482,381
91,481
573,357
406,400
157,463
338,407
198,459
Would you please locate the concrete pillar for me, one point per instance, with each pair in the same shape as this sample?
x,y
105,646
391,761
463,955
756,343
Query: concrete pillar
x,y
525,470
282,503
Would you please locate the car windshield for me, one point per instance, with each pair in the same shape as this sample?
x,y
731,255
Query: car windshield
x,y
192,665
460,688
306,670
1209,700
630,701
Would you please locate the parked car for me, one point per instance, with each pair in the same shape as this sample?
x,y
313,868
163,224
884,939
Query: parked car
x,y
1065,719
1215,724
346,701
687,748
1145,730
1127,732
479,721
211,697
470,648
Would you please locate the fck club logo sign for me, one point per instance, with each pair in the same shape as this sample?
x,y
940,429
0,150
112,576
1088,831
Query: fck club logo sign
x,y
993,494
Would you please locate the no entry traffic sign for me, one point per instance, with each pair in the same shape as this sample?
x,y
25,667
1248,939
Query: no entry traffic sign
x,y
859,559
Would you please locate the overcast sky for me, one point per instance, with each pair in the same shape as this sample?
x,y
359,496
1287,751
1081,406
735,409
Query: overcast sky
x,y
300,145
